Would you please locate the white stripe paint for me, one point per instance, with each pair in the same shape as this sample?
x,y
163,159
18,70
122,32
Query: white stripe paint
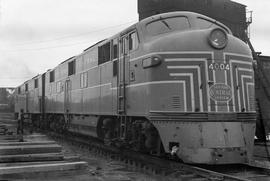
x,y
191,86
243,86
244,69
238,90
151,83
172,52
239,62
239,55
197,67
204,60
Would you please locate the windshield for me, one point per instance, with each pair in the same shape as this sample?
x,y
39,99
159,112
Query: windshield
x,y
205,24
167,25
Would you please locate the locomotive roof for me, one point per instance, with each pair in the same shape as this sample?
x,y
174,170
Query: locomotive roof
x,y
174,13
180,13
67,60
94,45
36,76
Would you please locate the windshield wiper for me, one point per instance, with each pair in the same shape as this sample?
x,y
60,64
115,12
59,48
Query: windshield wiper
x,y
165,23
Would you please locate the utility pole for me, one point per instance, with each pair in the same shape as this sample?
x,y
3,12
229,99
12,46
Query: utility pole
x,y
248,22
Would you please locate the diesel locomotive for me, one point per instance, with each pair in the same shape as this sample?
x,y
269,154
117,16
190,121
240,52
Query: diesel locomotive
x,y
175,83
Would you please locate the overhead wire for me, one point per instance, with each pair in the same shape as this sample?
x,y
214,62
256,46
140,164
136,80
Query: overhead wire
x,y
74,35
44,48
7,78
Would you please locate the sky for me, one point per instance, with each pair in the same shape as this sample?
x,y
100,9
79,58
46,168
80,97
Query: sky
x,y
37,35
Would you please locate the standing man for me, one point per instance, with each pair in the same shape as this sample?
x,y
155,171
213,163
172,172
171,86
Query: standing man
x,y
20,125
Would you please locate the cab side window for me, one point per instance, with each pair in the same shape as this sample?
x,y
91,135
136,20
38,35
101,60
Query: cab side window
x,y
133,41
114,48
124,45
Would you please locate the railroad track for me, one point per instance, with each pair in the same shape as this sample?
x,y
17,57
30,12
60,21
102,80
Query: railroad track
x,y
262,150
242,171
169,169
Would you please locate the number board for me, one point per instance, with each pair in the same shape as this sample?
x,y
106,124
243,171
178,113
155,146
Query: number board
x,y
219,66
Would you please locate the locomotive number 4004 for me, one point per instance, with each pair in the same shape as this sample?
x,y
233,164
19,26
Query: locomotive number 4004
x,y
219,66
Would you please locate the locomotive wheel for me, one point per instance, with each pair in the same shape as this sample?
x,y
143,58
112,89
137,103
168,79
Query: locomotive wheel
x,y
46,123
109,130
52,124
37,125
106,128
138,136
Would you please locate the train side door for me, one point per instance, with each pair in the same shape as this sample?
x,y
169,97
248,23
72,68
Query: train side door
x,y
123,73
67,95
26,98
115,59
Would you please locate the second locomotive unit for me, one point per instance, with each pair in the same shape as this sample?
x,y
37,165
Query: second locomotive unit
x,y
176,83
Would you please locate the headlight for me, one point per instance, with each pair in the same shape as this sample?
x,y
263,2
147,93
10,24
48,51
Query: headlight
x,y
218,38
151,61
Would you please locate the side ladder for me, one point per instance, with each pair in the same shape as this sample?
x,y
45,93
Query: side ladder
x,y
121,103
121,90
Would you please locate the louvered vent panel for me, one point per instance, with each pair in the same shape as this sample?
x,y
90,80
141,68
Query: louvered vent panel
x,y
176,102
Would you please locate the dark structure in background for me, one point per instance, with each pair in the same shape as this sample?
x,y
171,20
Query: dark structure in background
x,y
228,12
7,99
262,90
